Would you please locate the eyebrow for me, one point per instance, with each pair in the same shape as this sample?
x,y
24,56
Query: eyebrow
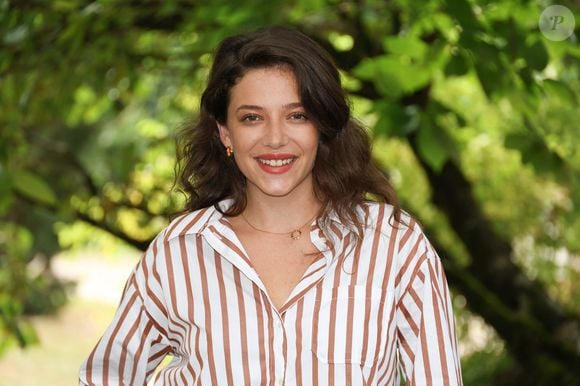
x,y
256,107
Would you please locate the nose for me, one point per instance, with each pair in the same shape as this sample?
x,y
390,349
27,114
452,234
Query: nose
x,y
275,135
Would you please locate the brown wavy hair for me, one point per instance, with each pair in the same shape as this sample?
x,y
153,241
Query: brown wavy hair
x,y
344,173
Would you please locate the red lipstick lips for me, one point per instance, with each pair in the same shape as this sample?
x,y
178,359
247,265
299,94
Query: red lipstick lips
x,y
276,163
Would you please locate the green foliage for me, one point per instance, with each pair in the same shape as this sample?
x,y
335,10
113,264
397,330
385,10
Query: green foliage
x,y
482,367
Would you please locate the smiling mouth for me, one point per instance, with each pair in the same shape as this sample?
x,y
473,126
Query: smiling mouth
x,y
276,162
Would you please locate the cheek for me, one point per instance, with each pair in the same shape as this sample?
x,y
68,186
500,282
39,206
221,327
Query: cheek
x,y
236,138
314,140
242,142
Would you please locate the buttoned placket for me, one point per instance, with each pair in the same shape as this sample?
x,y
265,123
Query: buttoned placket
x,y
279,334
279,330
279,338
280,355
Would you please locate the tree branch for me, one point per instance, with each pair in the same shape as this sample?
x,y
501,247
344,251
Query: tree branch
x,y
103,225
139,244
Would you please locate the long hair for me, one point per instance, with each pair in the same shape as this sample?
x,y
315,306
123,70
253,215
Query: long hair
x,y
344,173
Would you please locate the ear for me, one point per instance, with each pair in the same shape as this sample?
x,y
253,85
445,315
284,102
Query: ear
x,y
224,134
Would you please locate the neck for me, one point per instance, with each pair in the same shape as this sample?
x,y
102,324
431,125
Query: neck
x,y
281,214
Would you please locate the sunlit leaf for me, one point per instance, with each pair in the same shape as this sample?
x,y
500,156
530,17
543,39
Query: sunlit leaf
x,y
392,76
406,45
33,186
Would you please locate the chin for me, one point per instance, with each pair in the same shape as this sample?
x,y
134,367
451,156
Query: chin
x,y
280,187
276,192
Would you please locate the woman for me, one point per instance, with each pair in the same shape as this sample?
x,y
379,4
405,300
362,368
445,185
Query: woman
x,y
281,272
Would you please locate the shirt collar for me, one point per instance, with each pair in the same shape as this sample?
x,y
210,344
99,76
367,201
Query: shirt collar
x,y
197,221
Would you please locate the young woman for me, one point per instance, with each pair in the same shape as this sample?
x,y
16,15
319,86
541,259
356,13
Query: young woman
x,y
282,271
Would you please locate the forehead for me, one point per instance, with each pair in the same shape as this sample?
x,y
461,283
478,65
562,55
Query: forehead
x,y
270,86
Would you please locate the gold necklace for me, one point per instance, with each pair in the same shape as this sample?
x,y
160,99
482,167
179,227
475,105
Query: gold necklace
x,y
294,235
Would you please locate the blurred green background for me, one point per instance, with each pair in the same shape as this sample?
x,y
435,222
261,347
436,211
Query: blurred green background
x,y
474,115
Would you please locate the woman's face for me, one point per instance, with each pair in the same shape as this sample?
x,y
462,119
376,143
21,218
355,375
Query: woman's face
x,y
273,140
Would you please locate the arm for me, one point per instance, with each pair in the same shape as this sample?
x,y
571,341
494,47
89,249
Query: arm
x,y
135,342
425,324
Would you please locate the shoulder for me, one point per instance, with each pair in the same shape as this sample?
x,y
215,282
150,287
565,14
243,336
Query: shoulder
x,y
188,223
191,223
405,228
382,215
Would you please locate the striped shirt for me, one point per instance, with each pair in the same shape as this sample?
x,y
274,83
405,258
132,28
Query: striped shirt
x,y
364,313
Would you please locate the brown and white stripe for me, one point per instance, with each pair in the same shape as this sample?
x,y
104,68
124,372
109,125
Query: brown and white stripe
x,y
367,312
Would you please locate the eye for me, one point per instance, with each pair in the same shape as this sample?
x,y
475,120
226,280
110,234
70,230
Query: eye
x,y
298,116
250,118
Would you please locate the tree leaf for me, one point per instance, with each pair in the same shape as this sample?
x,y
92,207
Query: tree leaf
x,y
536,55
433,146
535,152
559,90
33,187
394,119
406,45
457,65
392,76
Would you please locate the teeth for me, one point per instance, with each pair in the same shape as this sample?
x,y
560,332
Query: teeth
x,y
277,162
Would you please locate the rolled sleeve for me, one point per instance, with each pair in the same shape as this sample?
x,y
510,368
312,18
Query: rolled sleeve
x,y
425,323
135,342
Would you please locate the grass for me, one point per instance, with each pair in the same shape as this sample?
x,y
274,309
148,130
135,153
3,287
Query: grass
x,y
65,341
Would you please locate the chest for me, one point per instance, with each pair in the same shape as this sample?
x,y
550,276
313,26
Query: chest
x,y
280,264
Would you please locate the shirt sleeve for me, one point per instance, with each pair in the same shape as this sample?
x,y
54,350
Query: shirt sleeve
x,y
136,340
426,334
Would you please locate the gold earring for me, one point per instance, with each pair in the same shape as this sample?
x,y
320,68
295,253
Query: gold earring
x,y
229,151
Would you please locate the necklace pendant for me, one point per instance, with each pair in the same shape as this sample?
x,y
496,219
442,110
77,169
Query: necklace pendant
x,y
295,235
